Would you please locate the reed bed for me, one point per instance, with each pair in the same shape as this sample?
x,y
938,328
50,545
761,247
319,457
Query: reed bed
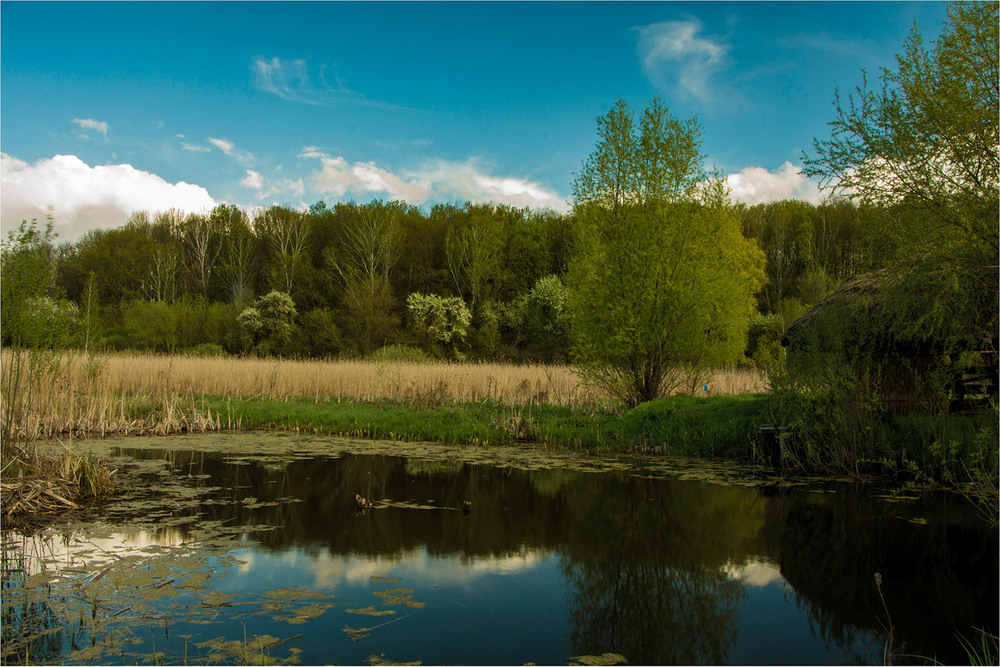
x,y
155,375
34,484
71,394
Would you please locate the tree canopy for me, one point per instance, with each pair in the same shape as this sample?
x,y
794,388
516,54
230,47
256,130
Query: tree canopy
x,y
663,281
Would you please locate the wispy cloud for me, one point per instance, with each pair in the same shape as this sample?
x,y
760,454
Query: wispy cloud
x,y
437,181
756,185
292,80
194,147
229,148
82,197
853,49
677,56
88,125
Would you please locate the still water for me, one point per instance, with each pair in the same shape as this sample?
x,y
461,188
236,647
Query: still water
x,y
252,549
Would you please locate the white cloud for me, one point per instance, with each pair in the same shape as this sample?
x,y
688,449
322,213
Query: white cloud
x,y
466,181
252,180
192,147
292,80
89,124
674,55
229,148
756,185
437,182
223,145
83,197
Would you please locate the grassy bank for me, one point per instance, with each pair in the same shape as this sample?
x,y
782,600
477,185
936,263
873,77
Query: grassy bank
x,y
722,426
67,396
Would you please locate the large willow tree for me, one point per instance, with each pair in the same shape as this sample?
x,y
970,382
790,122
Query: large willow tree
x,y
663,282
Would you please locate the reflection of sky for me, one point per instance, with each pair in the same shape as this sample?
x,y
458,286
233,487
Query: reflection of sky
x,y
471,610
323,571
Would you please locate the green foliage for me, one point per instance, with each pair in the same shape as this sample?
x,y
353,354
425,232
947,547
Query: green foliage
x,y
542,314
399,354
150,325
26,273
923,145
51,324
717,426
663,281
764,340
205,350
320,330
267,327
439,319
369,318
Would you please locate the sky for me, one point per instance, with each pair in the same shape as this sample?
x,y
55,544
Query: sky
x,y
107,108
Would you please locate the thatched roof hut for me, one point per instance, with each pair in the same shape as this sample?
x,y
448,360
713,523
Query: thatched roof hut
x,y
873,323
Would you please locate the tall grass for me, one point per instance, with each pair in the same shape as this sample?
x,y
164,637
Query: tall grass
x,y
145,375
47,395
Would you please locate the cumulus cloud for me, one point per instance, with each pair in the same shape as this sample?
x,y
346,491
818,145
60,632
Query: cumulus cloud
x,y
675,55
439,181
756,185
252,180
82,197
90,125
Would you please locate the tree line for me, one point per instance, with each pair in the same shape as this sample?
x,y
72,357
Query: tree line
x,y
480,280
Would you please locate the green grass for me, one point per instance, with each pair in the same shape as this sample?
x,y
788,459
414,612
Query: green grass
x,y
718,426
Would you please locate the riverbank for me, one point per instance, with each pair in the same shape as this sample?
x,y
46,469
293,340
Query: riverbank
x,y
53,396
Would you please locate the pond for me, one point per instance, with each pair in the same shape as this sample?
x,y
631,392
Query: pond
x,y
251,549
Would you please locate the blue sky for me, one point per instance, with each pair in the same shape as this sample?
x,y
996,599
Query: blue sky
x,y
111,107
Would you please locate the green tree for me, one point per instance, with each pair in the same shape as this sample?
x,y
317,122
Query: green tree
x,y
26,273
268,325
663,279
924,145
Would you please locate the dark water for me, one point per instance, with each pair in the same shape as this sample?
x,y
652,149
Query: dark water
x,y
548,565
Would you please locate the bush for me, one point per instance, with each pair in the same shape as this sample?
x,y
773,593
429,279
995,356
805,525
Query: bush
x,y
399,354
150,325
205,350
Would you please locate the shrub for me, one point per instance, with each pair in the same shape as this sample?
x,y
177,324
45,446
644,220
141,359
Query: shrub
x,y
399,354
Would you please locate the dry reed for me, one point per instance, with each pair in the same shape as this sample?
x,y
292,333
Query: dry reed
x,y
154,375
34,483
122,394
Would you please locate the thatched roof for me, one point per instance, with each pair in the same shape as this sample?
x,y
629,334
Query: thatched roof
x,y
861,291
866,307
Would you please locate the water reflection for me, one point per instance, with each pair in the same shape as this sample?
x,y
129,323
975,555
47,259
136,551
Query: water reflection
x,y
554,563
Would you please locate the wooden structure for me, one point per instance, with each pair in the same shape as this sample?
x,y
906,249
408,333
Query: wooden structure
x,y
850,326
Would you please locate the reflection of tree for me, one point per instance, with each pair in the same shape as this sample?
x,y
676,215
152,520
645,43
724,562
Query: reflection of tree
x,y
938,576
32,631
647,573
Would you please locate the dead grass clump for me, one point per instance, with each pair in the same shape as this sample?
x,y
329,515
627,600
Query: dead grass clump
x,y
35,483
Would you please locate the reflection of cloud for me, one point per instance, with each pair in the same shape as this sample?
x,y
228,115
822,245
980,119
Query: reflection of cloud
x,y
328,570
754,572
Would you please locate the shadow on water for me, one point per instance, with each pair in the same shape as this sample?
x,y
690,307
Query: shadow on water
x,y
550,563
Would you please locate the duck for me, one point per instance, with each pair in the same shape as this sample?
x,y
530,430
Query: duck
x,y
466,507
360,502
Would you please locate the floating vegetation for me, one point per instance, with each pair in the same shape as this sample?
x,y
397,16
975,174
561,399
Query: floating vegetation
x,y
383,579
603,659
399,596
380,660
371,611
